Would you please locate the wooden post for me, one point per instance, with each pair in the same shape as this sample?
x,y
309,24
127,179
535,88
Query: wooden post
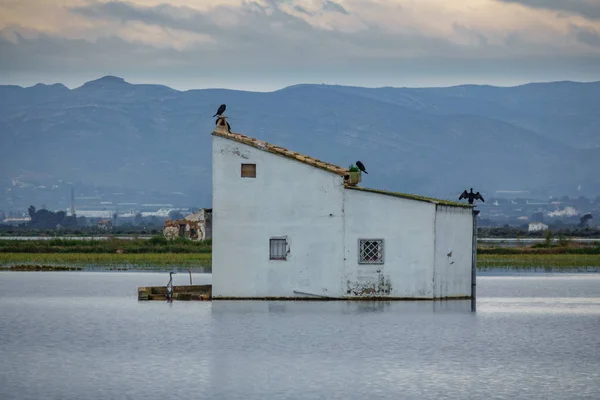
x,y
474,264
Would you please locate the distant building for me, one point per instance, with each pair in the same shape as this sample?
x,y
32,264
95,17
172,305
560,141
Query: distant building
x,y
287,225
196,226
537,226
16,220
105,224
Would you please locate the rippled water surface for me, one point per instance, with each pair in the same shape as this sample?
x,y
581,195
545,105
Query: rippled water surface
x,y
84,335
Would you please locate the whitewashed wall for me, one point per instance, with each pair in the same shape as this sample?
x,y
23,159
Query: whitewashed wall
x,y
407,227
287,198
454,233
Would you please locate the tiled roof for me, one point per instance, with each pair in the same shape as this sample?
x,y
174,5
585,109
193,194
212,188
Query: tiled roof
x,y
271,148
412,197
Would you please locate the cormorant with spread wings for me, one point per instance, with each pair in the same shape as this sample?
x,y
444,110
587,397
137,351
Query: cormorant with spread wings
x,y
471,196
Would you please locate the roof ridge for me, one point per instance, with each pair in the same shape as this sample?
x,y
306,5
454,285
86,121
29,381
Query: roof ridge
x,y
276,149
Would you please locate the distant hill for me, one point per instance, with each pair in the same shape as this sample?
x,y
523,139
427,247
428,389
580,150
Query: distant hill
x,y
542,137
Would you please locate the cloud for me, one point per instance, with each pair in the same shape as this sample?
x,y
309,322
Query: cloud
x,y
329,5
273,29
587,36
322,39
322,7
584,8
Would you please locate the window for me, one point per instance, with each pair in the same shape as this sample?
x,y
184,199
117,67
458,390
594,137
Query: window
x,y
248,170
278,249
370,251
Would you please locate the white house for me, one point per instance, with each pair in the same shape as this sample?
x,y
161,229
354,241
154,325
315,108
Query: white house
x,y
288,226
537,226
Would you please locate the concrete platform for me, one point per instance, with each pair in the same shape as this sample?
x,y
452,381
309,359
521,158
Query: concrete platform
x,y
188,292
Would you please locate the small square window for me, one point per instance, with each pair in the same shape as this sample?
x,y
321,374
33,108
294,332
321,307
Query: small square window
x,y
370,251
278,249
248,170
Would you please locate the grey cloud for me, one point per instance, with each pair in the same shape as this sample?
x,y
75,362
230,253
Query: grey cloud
x,y
329,5
587,36
159,15
302,10
73,62
277,37
50,53
268,42
481,38
251,37
586,8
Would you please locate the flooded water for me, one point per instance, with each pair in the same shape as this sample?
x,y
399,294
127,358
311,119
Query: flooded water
x,y
84,335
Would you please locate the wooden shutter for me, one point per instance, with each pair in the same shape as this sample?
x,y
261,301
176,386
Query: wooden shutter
x,y
248,170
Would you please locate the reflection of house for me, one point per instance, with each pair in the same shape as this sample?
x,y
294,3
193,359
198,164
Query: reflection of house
x,y
288,226
537,226
196,226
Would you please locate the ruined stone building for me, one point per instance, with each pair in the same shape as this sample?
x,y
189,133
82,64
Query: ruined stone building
x,y
195,226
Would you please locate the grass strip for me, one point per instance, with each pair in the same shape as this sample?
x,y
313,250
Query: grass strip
x,y
157,244
538,260
122,260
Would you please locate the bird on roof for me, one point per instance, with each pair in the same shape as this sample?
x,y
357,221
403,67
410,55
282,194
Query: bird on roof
x,y
221,110
361,166
471,196
218,122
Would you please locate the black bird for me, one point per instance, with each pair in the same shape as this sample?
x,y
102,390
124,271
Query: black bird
x,y
361,166
221,110
217,123
471,196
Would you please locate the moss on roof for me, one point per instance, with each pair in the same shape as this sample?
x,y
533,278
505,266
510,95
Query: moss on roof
x,y
412,197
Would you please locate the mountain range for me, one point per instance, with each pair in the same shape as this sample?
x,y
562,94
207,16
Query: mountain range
x,y
543,138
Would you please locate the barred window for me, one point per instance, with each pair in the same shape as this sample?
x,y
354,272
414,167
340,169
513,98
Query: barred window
x,y
370,251
248,170
278,249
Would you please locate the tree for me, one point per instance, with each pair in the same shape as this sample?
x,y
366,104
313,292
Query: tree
x,y
49,220
583,221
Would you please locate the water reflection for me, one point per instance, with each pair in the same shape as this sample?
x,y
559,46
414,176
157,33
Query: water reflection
x,y
77,335
339,307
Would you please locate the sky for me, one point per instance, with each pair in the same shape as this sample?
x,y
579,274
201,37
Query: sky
x,y
264,45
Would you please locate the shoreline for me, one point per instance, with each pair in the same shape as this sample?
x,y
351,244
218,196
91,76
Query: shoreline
x,y
484,271
132,267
